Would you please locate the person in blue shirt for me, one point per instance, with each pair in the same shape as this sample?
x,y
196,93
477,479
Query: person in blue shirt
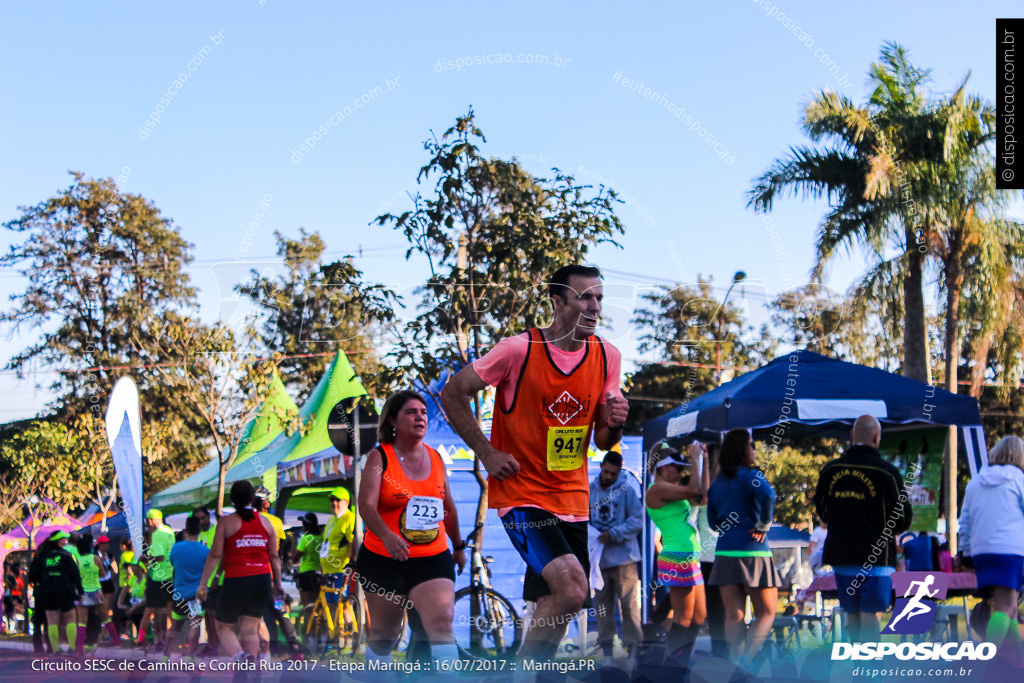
x,y
188,557
741,505
920,552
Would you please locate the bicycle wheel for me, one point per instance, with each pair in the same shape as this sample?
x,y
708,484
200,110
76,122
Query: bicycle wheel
x,y
314,630
485,623
350,622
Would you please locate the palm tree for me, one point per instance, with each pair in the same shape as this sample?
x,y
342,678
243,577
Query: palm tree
x,y
915,175
866,168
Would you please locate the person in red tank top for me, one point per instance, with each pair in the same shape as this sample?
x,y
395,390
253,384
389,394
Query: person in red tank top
x,y
406,503
246,543
557,388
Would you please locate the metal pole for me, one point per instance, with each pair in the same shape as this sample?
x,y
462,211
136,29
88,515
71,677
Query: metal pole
x,y
357,453
738,276
951,490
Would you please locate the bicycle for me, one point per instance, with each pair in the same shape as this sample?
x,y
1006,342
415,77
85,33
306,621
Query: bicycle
x,y
326,627
486,625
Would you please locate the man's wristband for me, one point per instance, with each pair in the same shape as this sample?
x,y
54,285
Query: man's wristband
x,y
456,547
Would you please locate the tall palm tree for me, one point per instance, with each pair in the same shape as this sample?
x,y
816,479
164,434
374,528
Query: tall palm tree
x,y
914,173
865,165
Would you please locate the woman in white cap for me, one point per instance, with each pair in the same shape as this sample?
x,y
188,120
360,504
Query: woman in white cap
x,y
407,505
677,484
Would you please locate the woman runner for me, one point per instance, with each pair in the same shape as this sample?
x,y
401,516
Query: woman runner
x,y
407,506
245,543
89,567
992,534
307,554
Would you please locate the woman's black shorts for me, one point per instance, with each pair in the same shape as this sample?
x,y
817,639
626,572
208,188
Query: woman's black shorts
x,y
243,596
308,582
384,576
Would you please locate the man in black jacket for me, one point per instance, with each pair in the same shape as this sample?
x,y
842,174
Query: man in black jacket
x,y
862,500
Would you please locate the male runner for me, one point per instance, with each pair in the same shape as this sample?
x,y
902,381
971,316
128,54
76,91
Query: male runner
x,y
557,386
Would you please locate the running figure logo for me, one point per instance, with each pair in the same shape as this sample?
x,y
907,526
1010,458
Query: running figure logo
x,y
916,594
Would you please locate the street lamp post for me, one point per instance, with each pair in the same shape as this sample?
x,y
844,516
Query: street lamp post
x,y
737,277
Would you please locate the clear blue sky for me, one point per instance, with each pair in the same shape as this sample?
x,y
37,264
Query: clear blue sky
x,y
81,79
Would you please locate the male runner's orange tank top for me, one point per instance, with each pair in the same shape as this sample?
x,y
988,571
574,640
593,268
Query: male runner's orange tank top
x,y
412,509
547,429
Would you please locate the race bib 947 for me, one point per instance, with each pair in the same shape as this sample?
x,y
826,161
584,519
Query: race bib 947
x,y
566,446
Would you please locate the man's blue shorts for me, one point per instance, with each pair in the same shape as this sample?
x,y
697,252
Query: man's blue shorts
x,y
861,593
540,537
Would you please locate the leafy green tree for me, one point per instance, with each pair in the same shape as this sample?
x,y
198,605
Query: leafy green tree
x,y
865,326
225,385
491,234
994,344
812,317
310,309
102,269
793,472
101,266
696,341
56,462
19,500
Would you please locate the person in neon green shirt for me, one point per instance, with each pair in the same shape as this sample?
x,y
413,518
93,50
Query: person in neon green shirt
x,y
336,550
207,527
132,597
676,485
307,554
89,567
339,532
160,584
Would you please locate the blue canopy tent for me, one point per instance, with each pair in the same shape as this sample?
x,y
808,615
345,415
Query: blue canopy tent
x,y
805,393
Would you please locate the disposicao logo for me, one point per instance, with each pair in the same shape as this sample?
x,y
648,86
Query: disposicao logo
x,y
947,652
914,612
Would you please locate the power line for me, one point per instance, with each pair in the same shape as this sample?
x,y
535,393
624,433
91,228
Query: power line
x,y
145,366
358,252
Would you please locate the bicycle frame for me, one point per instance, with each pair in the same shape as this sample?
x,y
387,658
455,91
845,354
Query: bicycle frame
x,y
334,619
